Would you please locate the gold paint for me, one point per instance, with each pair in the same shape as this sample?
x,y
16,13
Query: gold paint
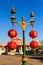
x,y
23,24
24,59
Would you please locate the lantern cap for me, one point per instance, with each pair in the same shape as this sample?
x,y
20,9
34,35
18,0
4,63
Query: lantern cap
x,y
32,14
32,22
13,11
12,18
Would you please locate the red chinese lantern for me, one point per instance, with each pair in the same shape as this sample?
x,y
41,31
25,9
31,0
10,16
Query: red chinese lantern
x,y
33,34
12,33
34,44
12,45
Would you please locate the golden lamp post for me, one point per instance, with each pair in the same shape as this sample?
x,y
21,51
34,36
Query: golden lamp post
x,y
23,24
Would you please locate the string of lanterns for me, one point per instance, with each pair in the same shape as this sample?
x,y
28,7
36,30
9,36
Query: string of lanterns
x,y
12,33
12,45
33,34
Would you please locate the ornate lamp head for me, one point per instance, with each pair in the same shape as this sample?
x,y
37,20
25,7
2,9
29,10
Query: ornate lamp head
x,y
32,18
12,17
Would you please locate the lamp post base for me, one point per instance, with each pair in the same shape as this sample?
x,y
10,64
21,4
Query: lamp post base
x,y
24,58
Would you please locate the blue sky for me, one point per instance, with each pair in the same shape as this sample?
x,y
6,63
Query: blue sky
x,y
23,8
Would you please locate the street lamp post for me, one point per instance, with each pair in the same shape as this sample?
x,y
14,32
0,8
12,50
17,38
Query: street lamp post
x,y
23,24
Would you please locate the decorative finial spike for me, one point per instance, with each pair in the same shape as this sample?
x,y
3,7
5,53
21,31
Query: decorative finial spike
x,y
32,14
22,18
13,10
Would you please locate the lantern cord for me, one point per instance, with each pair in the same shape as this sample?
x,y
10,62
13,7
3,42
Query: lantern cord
x,y
12,25
32,27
